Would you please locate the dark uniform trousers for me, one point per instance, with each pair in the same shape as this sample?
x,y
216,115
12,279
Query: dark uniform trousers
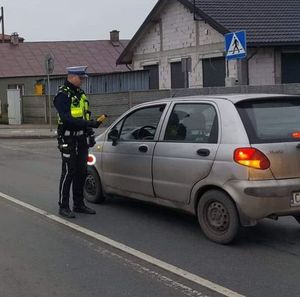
x,y
74,170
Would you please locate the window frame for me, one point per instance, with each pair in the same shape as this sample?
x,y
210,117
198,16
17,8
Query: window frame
x,y
249,124
172,107
131,112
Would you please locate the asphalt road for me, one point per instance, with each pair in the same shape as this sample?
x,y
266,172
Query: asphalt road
x,y
264,260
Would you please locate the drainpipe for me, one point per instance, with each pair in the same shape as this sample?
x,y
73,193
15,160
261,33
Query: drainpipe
x,y
247,64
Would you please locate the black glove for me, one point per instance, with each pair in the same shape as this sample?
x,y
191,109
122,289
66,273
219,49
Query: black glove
x,y
89,131
91,141
93,124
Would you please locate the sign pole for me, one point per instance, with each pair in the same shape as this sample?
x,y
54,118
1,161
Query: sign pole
x,y
235,49
49,66
227,66
49,102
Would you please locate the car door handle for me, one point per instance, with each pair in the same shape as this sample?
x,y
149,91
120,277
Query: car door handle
x,y
203,152
143,148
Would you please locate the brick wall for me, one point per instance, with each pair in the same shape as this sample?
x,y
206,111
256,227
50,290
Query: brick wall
x,y
262,67
178,36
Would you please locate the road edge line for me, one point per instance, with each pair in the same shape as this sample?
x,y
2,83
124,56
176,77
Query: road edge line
x,y
126,249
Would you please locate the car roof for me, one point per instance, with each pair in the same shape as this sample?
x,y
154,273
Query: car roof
x,y
234,98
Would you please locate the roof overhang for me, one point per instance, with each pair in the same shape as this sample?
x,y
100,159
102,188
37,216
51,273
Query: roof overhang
x,y
273,44
154,16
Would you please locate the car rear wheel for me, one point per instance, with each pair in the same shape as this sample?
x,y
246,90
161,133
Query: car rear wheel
x,y
297,218
92,187
218,217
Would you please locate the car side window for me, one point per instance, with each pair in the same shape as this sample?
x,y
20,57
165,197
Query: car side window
x,y
192,123
141,124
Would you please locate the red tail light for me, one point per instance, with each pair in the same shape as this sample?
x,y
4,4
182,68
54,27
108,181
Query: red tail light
x,y
296,135
251,157
91,160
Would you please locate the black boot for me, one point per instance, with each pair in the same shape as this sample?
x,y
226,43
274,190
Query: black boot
x,y
66,212
83,209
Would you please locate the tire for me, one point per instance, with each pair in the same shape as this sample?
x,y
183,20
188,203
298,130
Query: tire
x,y
92,190
218,217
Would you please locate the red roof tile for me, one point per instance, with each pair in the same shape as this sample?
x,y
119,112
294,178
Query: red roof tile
x,y
7,38
27,59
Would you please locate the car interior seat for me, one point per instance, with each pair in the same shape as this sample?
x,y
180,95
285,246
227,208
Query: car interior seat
x,y
196,128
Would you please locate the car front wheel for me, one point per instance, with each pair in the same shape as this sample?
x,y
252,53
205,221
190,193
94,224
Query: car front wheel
x,y
92,187
218,217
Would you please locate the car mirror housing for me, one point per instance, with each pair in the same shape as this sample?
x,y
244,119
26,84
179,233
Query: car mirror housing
x,y
113,135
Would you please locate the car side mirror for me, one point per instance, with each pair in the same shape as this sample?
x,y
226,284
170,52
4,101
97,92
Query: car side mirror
x,y
113,135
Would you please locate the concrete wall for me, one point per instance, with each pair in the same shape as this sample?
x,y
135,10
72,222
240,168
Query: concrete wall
x,y
35,110
262,67
34,107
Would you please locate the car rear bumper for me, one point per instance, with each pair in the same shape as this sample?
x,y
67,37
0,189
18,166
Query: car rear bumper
x,y
260,199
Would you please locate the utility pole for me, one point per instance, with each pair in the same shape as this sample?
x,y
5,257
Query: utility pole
x,y
2,22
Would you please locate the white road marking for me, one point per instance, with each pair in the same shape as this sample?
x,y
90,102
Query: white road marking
x,y
124,248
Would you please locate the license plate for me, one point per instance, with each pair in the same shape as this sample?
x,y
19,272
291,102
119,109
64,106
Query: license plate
x,y
295,201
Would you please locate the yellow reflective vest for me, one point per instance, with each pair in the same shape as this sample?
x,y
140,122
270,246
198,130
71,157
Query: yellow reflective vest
x,y
79,106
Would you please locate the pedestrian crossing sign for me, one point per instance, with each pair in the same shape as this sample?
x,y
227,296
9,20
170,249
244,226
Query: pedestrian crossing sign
x,y
236,45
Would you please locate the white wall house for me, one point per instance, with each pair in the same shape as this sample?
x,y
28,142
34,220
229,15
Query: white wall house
x,y
175,30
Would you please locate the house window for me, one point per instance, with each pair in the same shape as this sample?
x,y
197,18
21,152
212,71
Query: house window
x,y
214,72
290,68
178,78
153,76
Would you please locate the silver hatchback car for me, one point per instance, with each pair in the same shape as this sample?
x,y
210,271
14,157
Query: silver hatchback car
x,y
231,160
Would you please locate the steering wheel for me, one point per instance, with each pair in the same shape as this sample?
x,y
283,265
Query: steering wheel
x,y
144,132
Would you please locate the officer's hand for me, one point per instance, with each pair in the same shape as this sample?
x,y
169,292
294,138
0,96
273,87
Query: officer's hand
x,y
89,131
93,124
91,141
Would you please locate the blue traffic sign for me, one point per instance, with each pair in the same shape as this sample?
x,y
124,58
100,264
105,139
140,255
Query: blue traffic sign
x,y
236,45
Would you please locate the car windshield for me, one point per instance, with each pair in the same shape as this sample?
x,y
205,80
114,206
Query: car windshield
x,y
267,121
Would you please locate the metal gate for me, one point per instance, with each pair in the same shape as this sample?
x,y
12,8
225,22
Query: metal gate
x,y
14,107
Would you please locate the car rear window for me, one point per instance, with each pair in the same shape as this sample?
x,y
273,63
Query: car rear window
x,y
271,120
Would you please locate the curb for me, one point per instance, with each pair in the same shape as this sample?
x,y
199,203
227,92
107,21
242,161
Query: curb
x,y
27,136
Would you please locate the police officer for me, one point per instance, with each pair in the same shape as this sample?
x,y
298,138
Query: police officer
x,y
75,127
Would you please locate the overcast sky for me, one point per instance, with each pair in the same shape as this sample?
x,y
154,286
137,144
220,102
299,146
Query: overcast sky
x,y
38,20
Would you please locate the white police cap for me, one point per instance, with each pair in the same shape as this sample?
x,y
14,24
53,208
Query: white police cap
x,y
77,70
